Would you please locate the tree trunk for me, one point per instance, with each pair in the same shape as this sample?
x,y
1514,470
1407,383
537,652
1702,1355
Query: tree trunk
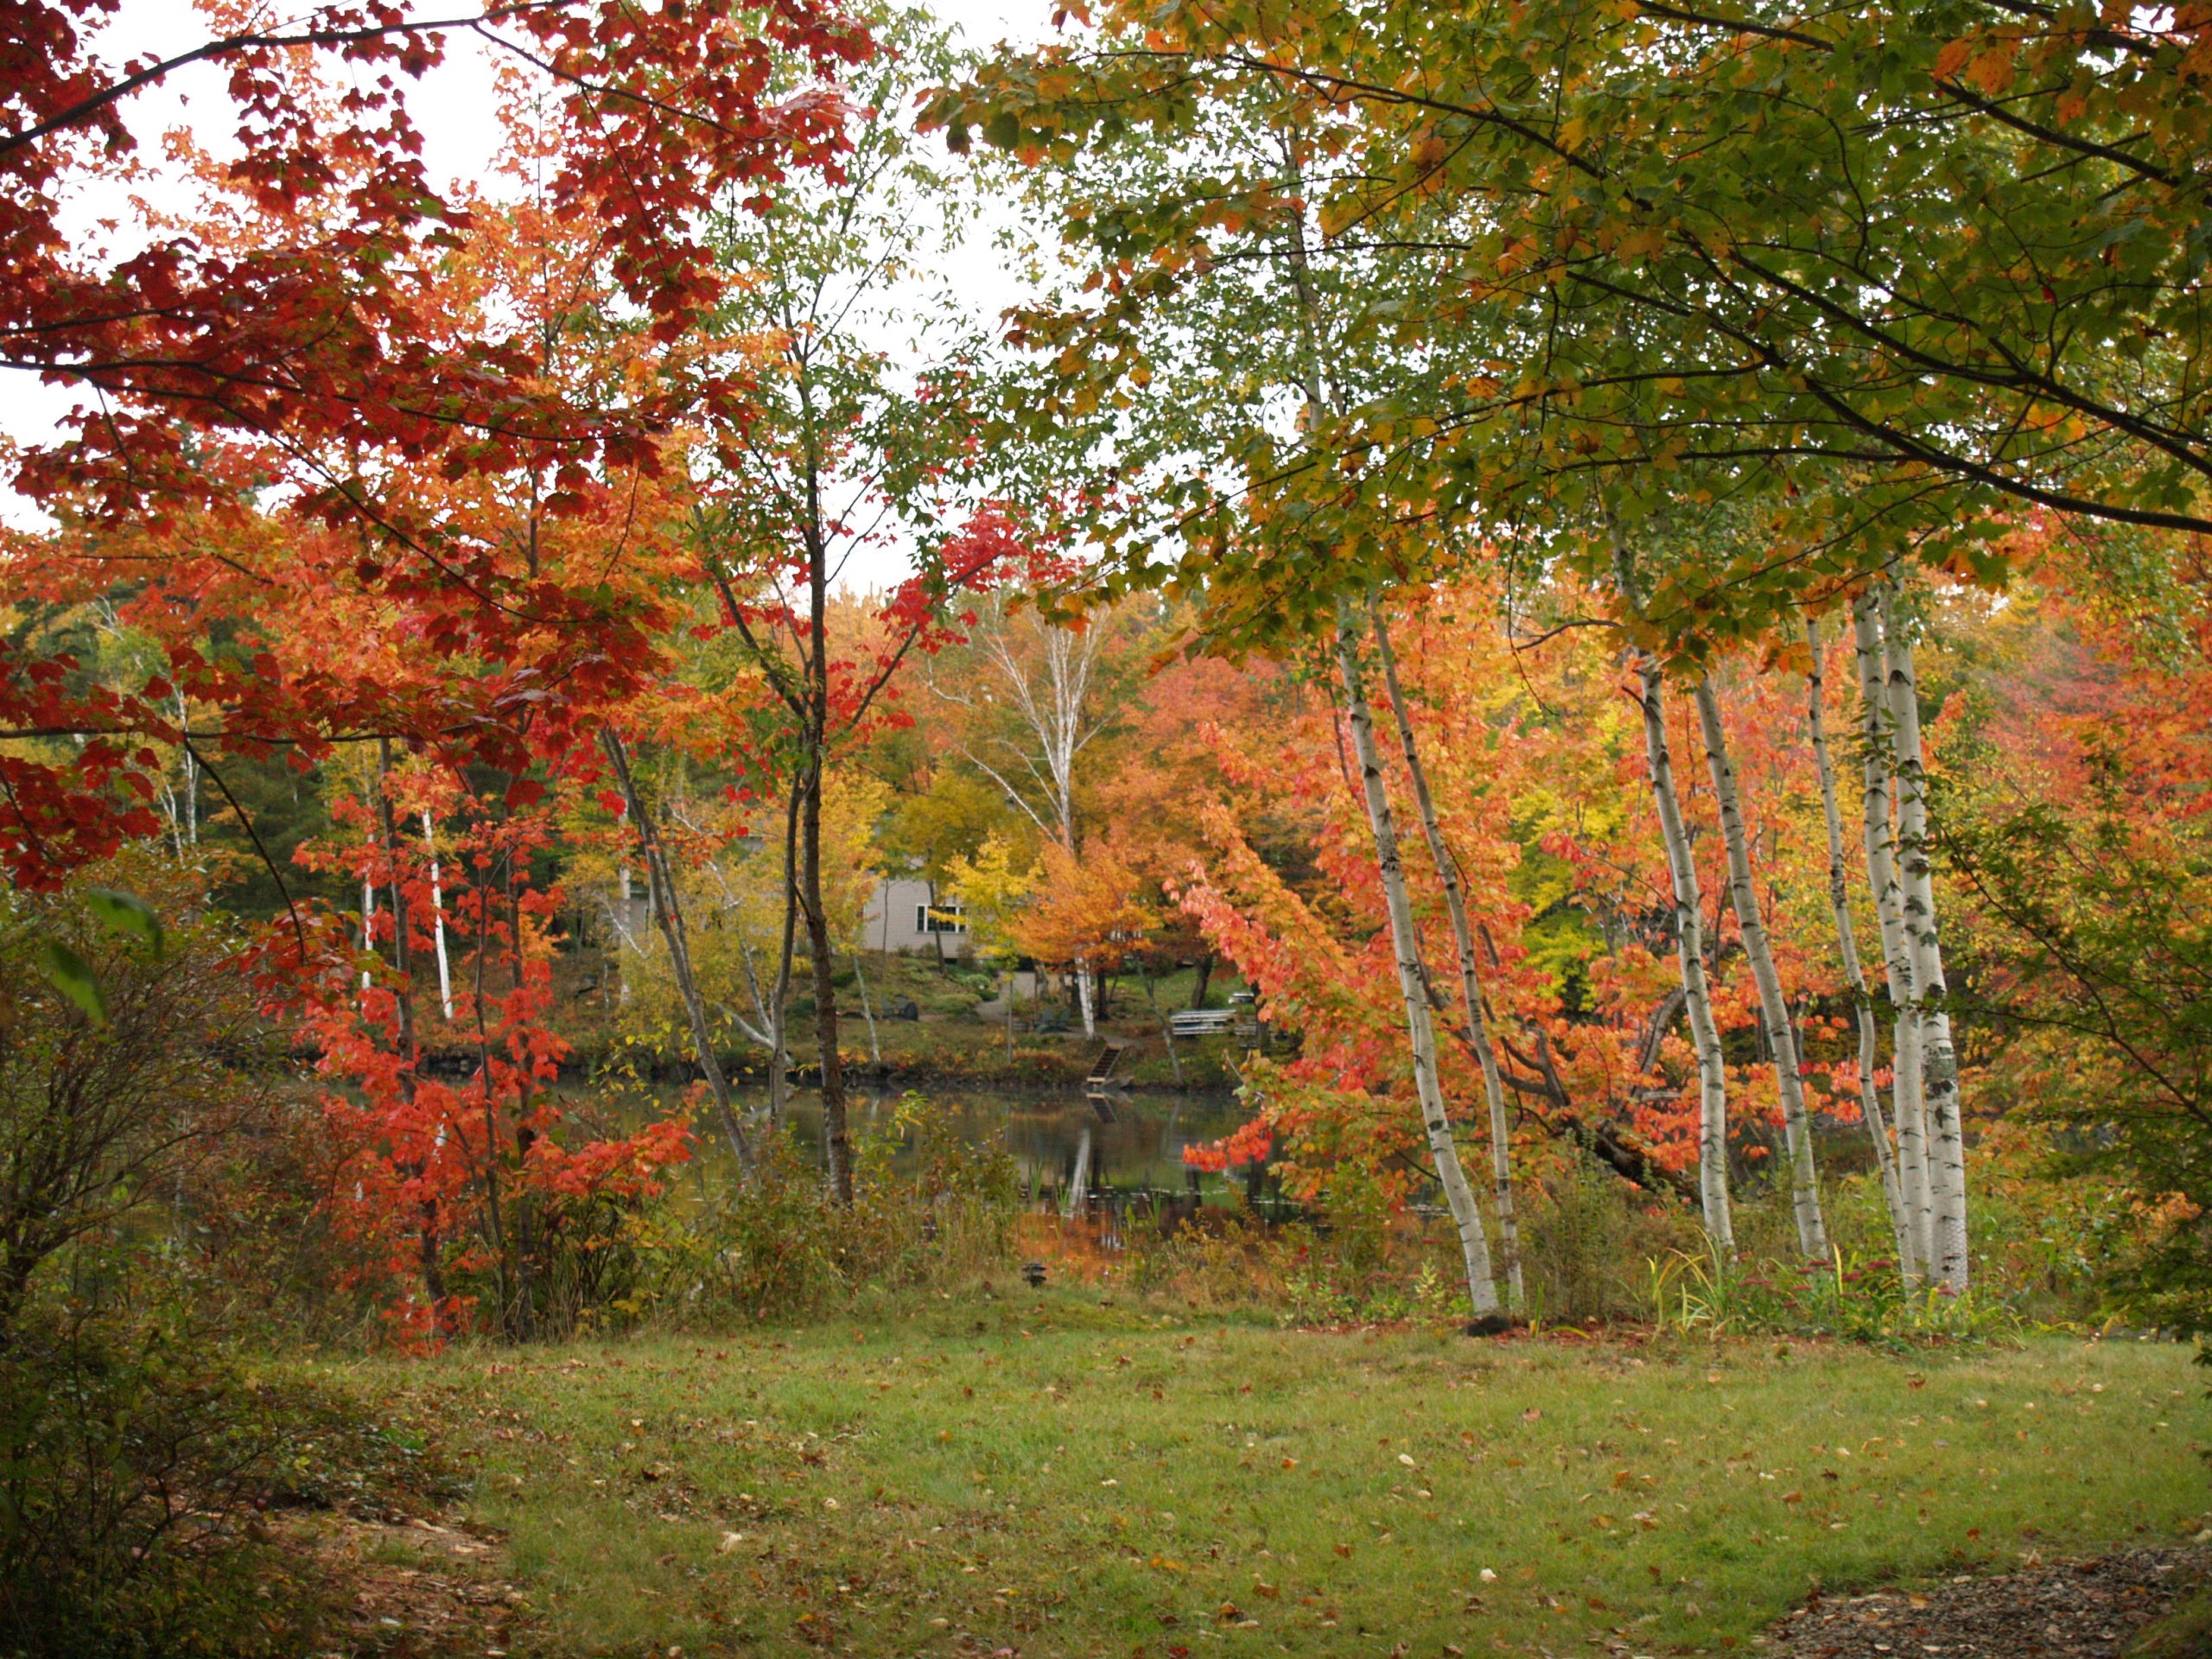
x,y
1870,1098
1463,939
1413,980
1939,1063
868,1012
428,1243
438,921
1689,940
1202,978
668,908
836,1134
1773,1005
1896,956
779,1057
368,924
1084,1000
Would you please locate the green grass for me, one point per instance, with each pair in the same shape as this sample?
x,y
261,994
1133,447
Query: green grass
x,y
1055,1477
2184,1632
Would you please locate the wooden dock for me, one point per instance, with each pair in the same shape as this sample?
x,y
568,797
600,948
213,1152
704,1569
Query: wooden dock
x,y
1099,1086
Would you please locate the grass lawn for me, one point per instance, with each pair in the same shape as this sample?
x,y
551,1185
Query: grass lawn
x,y
1045,1475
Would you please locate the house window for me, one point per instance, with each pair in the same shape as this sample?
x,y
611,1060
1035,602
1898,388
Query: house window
x,y
938,918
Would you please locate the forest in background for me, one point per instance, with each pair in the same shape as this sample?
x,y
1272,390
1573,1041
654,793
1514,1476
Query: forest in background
x,y
1637,578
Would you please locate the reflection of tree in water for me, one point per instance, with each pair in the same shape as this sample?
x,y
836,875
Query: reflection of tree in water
x,y
1138,1152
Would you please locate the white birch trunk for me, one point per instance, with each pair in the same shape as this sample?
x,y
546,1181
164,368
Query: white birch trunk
x,y
189,766
1082,997
1897,959
1689,940
622,888
1413,983
1938,1064
1846,942
868,1012
1773,1005
368,922
438,920
1470,995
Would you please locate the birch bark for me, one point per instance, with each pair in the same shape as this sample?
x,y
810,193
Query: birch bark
x,y
1846,944
1938,1064
438,921
1773,1005
1463,940
868,1012
1413,980
1896,956
1689,936
368,924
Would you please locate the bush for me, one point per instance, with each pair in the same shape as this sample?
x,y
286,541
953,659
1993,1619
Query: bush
x,y
99,1114
929,1208
1228,1258
132,1458
1852,1297
1583,1240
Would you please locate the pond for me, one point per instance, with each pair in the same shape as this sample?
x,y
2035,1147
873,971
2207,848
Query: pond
x,y
1131,1144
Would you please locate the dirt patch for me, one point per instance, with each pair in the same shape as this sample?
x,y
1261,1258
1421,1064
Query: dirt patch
x,y
417,1588
2068,1609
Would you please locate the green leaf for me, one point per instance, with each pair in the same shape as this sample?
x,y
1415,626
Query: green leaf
x,y
1003,129
72,975
125,913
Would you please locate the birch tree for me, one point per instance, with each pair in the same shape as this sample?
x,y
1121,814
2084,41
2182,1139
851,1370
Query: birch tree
x,y
1938,1064
1773,1005
1046,682
1690,930
1847,945
1889,911
1413,980
438,919
1471,1001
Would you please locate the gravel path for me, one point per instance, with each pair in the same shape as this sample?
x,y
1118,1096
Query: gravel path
x,y
2070,1610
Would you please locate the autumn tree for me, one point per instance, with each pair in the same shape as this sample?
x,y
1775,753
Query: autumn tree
x,y
301,351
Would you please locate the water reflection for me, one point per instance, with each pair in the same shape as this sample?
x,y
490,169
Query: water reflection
x,y
1062,1144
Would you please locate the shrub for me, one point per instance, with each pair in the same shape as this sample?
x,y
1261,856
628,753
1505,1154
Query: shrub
x,y
1583,1237
132,1458
929,1208
96,1116
1856,1298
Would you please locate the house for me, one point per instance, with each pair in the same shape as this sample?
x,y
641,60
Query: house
x,y
906,917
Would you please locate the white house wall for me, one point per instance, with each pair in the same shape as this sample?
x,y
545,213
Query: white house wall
x,y
891,921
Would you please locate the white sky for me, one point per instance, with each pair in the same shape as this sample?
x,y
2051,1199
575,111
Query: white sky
x,y
453,107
